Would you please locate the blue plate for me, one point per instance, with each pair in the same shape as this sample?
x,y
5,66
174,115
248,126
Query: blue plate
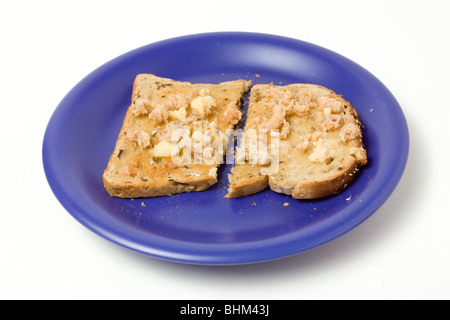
x,y
203,227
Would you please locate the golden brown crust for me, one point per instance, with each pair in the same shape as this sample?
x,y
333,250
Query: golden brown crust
x,y
163,187
325,188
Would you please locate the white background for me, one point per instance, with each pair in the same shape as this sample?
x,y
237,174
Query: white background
x,y
400,252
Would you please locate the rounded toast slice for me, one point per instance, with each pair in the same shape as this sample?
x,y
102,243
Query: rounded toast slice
x,y
320,147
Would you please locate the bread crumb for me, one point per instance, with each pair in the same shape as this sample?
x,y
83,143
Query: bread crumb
x,y
257,75
254,203
143,204
285,204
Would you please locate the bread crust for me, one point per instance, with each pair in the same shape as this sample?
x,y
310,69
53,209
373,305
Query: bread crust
x,y
319,189
157,189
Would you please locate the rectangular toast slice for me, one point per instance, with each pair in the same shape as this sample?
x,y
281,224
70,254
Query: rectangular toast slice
x,y
320,145
171,137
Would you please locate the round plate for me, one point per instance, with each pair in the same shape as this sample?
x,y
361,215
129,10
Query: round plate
x,y
203,227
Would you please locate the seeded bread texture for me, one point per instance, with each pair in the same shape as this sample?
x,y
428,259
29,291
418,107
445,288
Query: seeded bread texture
x,y
141,165
320,147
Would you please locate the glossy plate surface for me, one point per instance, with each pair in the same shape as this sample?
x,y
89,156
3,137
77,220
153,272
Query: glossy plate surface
x,y
203,227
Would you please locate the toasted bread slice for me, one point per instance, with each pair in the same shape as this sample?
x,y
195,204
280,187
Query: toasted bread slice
x,y
246,179
163,113
320,142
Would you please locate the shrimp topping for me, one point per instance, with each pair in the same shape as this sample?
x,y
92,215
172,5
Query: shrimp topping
x,y
141,137
141,106
331,122
232,115
329,104
349,132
